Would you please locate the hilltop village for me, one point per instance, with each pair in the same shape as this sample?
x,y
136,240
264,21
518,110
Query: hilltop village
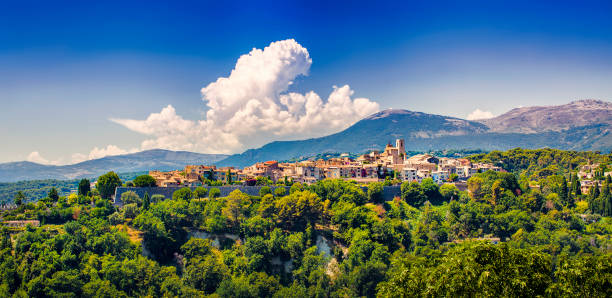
x,y
392,163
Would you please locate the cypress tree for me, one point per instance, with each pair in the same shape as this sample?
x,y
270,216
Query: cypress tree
x,y
84,187
53,194
19,198
146,201
6,239
229,176
577,190
563,192
605,192
595,191
574,184
607,208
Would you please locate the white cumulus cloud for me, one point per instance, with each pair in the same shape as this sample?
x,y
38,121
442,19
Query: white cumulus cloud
x,y
252,106
108,151
80,157
478,114
38,158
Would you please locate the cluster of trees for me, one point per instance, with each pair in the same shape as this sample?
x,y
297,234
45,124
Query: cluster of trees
x,y
600,201
479,269
34,190
507,235
541,162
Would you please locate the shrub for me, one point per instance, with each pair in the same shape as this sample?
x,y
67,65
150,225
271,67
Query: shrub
x,y
183,194
214,193
280,192
264,191
144,181
200,192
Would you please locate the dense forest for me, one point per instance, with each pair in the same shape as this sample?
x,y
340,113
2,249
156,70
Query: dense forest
x,y
510,234
35,190
541,161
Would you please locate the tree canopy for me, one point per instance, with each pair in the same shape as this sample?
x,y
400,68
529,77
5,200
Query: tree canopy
x,y
144,181
107,183
508,235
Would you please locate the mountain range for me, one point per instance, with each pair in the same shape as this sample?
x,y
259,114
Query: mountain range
x,y
579,125
552,118
156,159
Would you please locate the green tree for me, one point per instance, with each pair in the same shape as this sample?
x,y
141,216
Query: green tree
x,y
196,247
205,273
280,192
157,198
577,189
184,194
296,187
298,209
375,192
229,176
200,192
449,192
583,276
19,198
214,193
107,183
564,193
53,194
130,197
84,187
471,270
235,207
146,201
267,206
574,186
264,191
594,191
413,193
144,181
263,181
431,191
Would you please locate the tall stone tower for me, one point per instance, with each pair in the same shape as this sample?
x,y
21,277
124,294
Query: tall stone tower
x,y
399,144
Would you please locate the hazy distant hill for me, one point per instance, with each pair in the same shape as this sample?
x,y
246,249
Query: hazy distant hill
x,y
142,161
552,118
581,125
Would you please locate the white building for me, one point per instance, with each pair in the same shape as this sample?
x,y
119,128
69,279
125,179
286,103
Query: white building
x,y
409,174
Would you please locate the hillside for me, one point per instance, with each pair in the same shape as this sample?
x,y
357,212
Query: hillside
x,y
136,162
552,118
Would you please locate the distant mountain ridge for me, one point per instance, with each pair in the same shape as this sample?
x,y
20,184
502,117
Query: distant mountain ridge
x,y
372,132
156,159
579,125
552,118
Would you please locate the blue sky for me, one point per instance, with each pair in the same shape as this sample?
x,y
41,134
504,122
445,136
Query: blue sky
x,y
66,68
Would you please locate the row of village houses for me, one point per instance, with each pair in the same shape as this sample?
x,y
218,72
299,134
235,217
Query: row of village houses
x,y
370,167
